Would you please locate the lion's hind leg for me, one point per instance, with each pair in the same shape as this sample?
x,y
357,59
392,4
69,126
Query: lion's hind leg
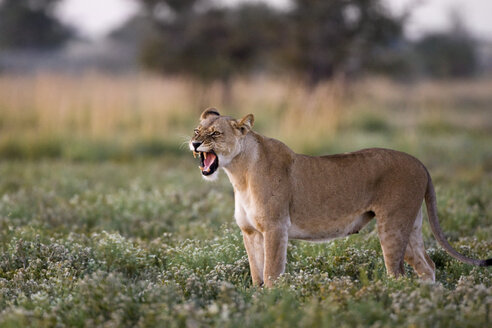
x,y
415,254
394,230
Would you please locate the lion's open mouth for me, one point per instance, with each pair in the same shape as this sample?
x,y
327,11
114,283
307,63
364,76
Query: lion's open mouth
x,y
209,162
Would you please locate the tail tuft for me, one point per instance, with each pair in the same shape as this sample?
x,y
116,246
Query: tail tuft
x,y
487,262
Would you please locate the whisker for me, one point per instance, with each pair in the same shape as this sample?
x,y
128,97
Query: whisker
x,y
186,140
183,145
184,137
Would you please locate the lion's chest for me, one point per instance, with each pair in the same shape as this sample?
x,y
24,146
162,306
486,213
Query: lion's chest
x,y
245,211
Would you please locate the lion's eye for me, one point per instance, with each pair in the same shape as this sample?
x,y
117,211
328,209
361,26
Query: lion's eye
x,y
216,134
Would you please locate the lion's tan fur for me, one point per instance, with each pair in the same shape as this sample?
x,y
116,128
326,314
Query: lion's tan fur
x,y
280,195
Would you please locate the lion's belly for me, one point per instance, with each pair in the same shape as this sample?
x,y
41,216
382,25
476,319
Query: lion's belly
x,y
324,230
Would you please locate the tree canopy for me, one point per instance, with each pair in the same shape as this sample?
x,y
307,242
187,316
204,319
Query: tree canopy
x,y
28,24
315,38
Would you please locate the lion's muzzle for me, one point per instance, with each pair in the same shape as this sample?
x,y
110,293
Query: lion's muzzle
x,y
209,161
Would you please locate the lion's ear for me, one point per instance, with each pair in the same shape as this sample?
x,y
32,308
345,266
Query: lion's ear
x,y
246,123
209,111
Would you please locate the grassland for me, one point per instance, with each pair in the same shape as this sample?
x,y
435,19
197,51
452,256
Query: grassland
x,y
105,220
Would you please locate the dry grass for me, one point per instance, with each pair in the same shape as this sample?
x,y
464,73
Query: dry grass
x,y
127,109
102,106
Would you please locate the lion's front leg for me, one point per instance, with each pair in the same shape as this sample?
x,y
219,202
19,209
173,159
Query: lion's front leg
x,y
253,242
275,245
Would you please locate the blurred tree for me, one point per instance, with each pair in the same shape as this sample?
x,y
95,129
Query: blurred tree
x,y
443,55
451,54
134,31
209,42
316,38
176,6
339,36
199,39
31,24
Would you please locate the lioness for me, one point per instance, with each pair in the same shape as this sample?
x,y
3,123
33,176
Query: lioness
x,y
280,195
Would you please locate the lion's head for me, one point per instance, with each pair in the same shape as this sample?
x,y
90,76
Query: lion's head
x,y
218,140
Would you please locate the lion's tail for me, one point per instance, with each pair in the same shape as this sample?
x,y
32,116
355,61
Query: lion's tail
x,y
430,201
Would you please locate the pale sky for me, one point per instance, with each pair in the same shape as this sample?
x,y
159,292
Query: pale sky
x,y
95,18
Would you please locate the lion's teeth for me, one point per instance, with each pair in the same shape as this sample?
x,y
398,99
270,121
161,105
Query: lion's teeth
x,y
195,154
203,169
205,154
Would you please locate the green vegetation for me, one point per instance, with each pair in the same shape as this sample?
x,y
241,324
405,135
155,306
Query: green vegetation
x,y
148,243
143,241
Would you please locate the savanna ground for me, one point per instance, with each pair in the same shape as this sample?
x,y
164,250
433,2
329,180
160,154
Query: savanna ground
x,y
105,220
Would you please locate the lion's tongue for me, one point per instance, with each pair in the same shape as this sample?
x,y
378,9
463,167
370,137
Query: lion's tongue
x,y
208,161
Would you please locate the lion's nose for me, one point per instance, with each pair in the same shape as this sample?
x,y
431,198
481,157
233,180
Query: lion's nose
x,y
196,144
